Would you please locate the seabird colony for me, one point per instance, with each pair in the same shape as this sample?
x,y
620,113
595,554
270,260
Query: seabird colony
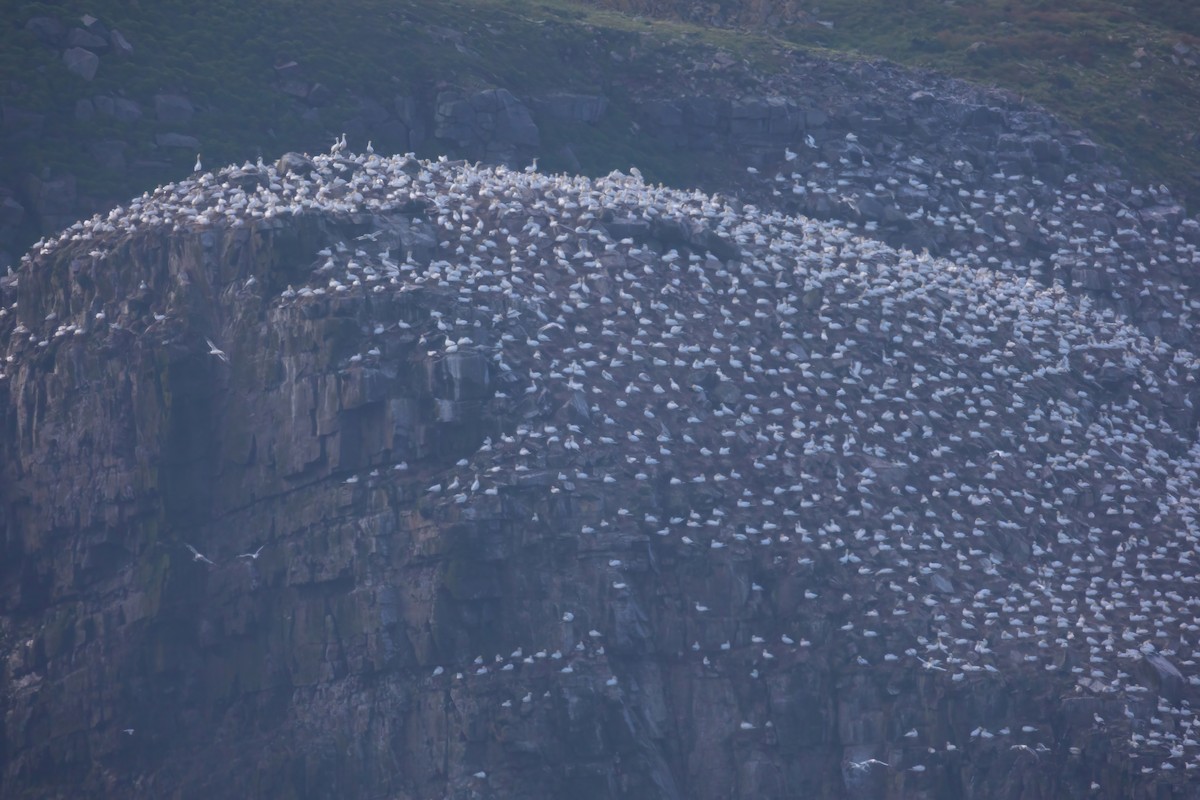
x,y
930,468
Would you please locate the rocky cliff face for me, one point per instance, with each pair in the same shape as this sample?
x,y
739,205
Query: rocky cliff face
x,y
366,477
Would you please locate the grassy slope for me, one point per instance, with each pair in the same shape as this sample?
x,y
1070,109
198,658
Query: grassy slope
x,y
1070,55
1074,57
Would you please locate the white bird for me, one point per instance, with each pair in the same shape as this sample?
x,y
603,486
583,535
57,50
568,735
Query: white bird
x,y
198,556
253,555
213,350
197,168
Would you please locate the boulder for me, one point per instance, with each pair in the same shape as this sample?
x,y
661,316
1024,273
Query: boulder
x,y
120,44
78,37
984,117
513,121
491,123
94,26
295,163
1165,217
48,30
83,63
127,110
1084,150
173,109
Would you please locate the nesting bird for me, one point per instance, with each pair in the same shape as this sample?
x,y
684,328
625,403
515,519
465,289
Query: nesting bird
x,y
937,467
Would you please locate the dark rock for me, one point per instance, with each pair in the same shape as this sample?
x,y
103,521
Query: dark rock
x,y
319,95
52,198
95,26
127,110
83,63
109,155
984,117
295,163
706,112
492,124
296,88
409,115
78,37
177,140
12,213
121,45
1046,149
570,107
663,113
19,124
1085,151
1165,218
47,29
372,112
85,109
513,123
173,109
1164,676
105,106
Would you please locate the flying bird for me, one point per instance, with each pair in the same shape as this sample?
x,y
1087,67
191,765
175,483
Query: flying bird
x,y
198,556
213,350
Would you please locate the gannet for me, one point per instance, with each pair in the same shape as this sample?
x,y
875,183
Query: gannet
x,y
213,350
198,556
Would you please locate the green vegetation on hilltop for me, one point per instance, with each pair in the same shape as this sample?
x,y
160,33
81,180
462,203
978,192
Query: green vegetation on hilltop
x,y
1110,67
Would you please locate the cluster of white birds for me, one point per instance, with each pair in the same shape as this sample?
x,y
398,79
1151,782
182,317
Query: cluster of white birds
x,y
1130,248
924,466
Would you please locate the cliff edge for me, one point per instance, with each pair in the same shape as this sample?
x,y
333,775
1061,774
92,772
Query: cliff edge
x,y
359,476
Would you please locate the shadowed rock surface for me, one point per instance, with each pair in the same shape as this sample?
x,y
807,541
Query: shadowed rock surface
x,y
589,488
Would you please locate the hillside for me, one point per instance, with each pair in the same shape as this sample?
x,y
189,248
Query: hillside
x,y
232,81
547,485
697,413
1126,72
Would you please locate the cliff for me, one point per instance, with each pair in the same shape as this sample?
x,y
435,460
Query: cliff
x,y
375,477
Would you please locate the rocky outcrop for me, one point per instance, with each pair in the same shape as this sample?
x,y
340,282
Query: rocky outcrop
x,y
384,477
491,125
